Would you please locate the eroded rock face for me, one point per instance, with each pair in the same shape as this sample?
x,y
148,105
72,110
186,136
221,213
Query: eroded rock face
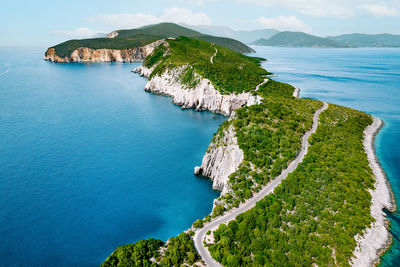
x,y
85,54
222,159
202,97
223,155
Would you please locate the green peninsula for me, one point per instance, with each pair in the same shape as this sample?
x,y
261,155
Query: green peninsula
x,y
319,214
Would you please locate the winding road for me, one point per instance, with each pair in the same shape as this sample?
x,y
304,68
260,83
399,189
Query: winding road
x,y
213,56
200,234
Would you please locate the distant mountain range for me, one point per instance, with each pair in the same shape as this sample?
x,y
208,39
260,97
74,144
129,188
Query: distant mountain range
x,y
247,37
367,40
299,39
268,37
271,37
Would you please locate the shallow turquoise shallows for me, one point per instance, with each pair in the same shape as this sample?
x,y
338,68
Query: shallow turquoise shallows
x,y
367,79
90,161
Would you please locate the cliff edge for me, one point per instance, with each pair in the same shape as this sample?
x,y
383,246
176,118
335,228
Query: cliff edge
x,y
85,54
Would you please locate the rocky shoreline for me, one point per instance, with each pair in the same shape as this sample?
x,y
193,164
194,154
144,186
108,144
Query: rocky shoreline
x,y
224,156
204,96
375,239
85,54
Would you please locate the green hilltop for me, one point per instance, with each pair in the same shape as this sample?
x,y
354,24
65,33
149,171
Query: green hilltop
x,y
297,39
194,55
145,35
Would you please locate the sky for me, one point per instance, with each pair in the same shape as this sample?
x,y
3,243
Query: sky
x,y
48,22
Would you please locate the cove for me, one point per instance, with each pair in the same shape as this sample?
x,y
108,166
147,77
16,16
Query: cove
x,y
90,161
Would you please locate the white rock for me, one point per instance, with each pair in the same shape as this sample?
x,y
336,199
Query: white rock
x,y
375,238
222,159
202,97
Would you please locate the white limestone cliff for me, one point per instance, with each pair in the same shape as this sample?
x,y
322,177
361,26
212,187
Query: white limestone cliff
x,y
223,155
222,158
203,96
85,54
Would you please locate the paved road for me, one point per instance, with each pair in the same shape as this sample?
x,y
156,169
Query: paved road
x,y
258,86
250,203
213,56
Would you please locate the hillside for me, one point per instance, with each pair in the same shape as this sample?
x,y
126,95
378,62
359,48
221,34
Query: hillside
x,y
125,39
367,40
194,55
297,39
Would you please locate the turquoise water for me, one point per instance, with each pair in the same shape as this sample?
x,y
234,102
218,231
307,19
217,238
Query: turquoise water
x,y
90,161
367,79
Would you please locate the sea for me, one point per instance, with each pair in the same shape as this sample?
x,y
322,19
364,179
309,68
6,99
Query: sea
x,y
366,79
90,161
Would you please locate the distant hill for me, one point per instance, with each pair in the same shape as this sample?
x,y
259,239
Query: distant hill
x,y
247,37
367,40
166,29
124,39
297,39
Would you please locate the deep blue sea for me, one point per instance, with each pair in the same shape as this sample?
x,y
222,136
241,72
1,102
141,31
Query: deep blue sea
x,y
90,161
367,79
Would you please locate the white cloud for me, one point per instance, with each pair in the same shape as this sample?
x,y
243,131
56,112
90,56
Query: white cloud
x,y
329,8
317,8
129,20
379,10
290,23
77,33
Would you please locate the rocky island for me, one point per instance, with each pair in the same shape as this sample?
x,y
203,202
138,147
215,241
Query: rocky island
x,y
299,178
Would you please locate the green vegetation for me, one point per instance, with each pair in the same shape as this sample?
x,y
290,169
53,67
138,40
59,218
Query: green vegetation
x,y
65,49
179,250
313,216
198,224
297,39
275,89
166,30
367,40
145,35
138,254
231,72
345,40
270,136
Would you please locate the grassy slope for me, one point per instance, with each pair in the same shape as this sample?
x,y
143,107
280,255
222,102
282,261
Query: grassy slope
x,y
316,212
231,72
145,35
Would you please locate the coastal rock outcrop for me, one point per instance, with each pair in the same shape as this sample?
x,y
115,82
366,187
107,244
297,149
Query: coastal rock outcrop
x,y
85,54
222,158
376,238
203,96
